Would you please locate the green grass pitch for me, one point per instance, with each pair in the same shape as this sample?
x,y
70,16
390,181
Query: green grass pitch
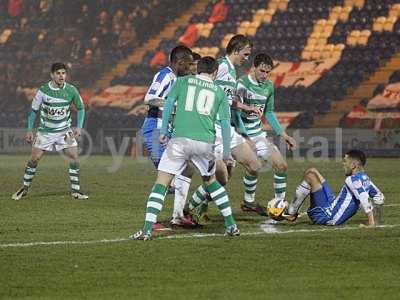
x,y
94,260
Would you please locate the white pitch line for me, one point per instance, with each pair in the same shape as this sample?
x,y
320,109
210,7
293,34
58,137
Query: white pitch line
x,y
268,229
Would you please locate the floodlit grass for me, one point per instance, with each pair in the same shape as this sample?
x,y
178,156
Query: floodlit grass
x,y
332,264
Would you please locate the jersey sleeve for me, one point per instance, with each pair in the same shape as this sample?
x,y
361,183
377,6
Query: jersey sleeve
x,y
223,70
77,99
375,194
269,113
161,82
223,109
173,93
241,91
37,100
356,187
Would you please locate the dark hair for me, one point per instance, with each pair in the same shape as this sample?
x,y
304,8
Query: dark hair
x,y
180,52
196,56
238,42
357,155
207,64
58,66
263,58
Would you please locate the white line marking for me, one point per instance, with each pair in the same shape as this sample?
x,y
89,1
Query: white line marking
x,y
268,229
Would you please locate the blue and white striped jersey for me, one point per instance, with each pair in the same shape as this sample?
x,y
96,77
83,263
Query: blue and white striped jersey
x,y
356,191
161,85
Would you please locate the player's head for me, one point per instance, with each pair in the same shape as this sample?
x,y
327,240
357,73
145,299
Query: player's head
x,y
239,49
58,73
262,67
207,65
181,58
353,161
193,65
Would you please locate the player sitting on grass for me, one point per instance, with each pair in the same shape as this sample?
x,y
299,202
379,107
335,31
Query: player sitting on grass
x,y
52,102
198,102
328,209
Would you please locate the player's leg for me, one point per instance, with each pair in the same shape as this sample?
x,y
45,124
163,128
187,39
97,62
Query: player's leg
x,y
204,160
245,155
74,173
311,183
29,173
182,185
173,162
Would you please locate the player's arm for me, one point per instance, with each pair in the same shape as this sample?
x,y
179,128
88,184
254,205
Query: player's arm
x,y
153,95
224,116
36,103
378,200
270,117
167,113
169,104
80,114
356,187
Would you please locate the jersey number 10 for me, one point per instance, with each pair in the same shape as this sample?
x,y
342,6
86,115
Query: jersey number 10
x,y
204,102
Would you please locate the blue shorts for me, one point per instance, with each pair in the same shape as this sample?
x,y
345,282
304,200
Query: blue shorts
x,y
320,202
152,143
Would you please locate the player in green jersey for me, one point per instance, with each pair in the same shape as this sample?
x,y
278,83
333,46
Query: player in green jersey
x,y
198,102
256,89
52,101
238,51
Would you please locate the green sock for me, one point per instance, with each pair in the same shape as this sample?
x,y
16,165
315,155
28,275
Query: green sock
x,y
30,171
198,197
250,185
74,176
220,197
154,206
280,185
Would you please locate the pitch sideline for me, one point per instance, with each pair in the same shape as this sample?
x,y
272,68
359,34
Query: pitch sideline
x,y
266,229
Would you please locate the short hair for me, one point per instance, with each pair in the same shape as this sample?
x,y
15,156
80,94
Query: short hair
x,y
357,155
263,58
238,42
196,56
58,66
180,52
207,64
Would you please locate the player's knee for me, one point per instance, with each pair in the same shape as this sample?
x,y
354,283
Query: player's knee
x,y
253,166
223,179
311,175
281,166
34,161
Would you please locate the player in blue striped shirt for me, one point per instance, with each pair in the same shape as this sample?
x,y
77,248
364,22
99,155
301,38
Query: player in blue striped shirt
x,y
328,209
180,62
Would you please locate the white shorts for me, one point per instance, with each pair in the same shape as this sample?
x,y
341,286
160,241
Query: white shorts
x,y
49,141
181,150
236,140
264,147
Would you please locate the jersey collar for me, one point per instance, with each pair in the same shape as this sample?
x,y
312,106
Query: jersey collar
x,y
229,62
252,80
56,89
204,78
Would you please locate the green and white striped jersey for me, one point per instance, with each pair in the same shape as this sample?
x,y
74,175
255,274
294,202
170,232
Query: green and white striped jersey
x,y
226,77
260,95
54,105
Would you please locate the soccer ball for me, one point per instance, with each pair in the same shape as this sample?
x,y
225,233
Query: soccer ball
x,y
276,209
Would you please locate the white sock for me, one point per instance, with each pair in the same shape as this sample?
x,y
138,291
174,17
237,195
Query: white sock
x,y
182,185
302,191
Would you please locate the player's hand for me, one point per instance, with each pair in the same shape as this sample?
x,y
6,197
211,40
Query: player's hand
x,y
290,142
256,111
29,137
229,161
77,133
163,139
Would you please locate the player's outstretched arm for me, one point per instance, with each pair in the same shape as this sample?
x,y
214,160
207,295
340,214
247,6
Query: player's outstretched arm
x,y
168,108
158,102
31,122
